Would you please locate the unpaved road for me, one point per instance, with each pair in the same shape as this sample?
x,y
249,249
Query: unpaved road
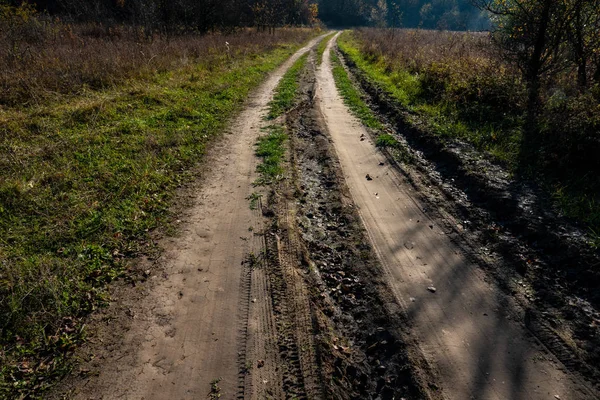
x,y
192,333
464,327
290,301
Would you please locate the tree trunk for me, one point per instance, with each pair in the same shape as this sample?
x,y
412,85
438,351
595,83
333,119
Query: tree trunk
x,y
531,140
582,74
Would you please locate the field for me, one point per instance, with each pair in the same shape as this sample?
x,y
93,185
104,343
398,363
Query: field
x,y
199,200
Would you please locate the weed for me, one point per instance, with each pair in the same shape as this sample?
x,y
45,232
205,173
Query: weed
x,y
254,199
215,389
248,366
386,141
252,260
285,93
270,148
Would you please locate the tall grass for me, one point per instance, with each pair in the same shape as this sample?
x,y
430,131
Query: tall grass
x,y
42,57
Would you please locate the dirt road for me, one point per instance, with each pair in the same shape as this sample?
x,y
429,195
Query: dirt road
x,y
189,338
333,286
463,325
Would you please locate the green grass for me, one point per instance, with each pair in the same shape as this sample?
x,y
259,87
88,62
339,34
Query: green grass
x,y
322,46
386,141
403,86
285,93
270,148
351,95
354,101
83,183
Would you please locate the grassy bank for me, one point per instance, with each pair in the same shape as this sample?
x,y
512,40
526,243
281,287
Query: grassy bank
x,y
351,95
285,93
457,86
86,175
270,148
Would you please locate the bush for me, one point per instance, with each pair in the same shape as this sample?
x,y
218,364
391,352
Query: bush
x,y
571,135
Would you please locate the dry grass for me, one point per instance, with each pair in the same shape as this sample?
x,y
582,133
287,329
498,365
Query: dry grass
x,y
418,49
40,58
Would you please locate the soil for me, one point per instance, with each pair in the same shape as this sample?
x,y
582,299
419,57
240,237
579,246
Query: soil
x,y
340,283
360,328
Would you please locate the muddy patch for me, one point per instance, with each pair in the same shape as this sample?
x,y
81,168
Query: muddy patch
x,y
359,327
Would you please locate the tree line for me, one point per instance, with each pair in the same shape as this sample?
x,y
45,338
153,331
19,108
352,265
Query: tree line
x,y
181,15
206,15
427,14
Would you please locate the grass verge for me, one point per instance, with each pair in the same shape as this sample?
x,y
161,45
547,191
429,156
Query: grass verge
x,y
351,95
84,181
285,93
353,99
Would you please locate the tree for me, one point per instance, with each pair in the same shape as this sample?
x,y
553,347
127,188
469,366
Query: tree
x,y
394,14
583,34
532,33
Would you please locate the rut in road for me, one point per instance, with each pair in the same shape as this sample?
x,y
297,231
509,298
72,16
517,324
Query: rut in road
x,y
358,326
465,326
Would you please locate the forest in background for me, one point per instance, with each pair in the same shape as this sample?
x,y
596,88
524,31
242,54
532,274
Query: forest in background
x,y
427,14
180,16
207,15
